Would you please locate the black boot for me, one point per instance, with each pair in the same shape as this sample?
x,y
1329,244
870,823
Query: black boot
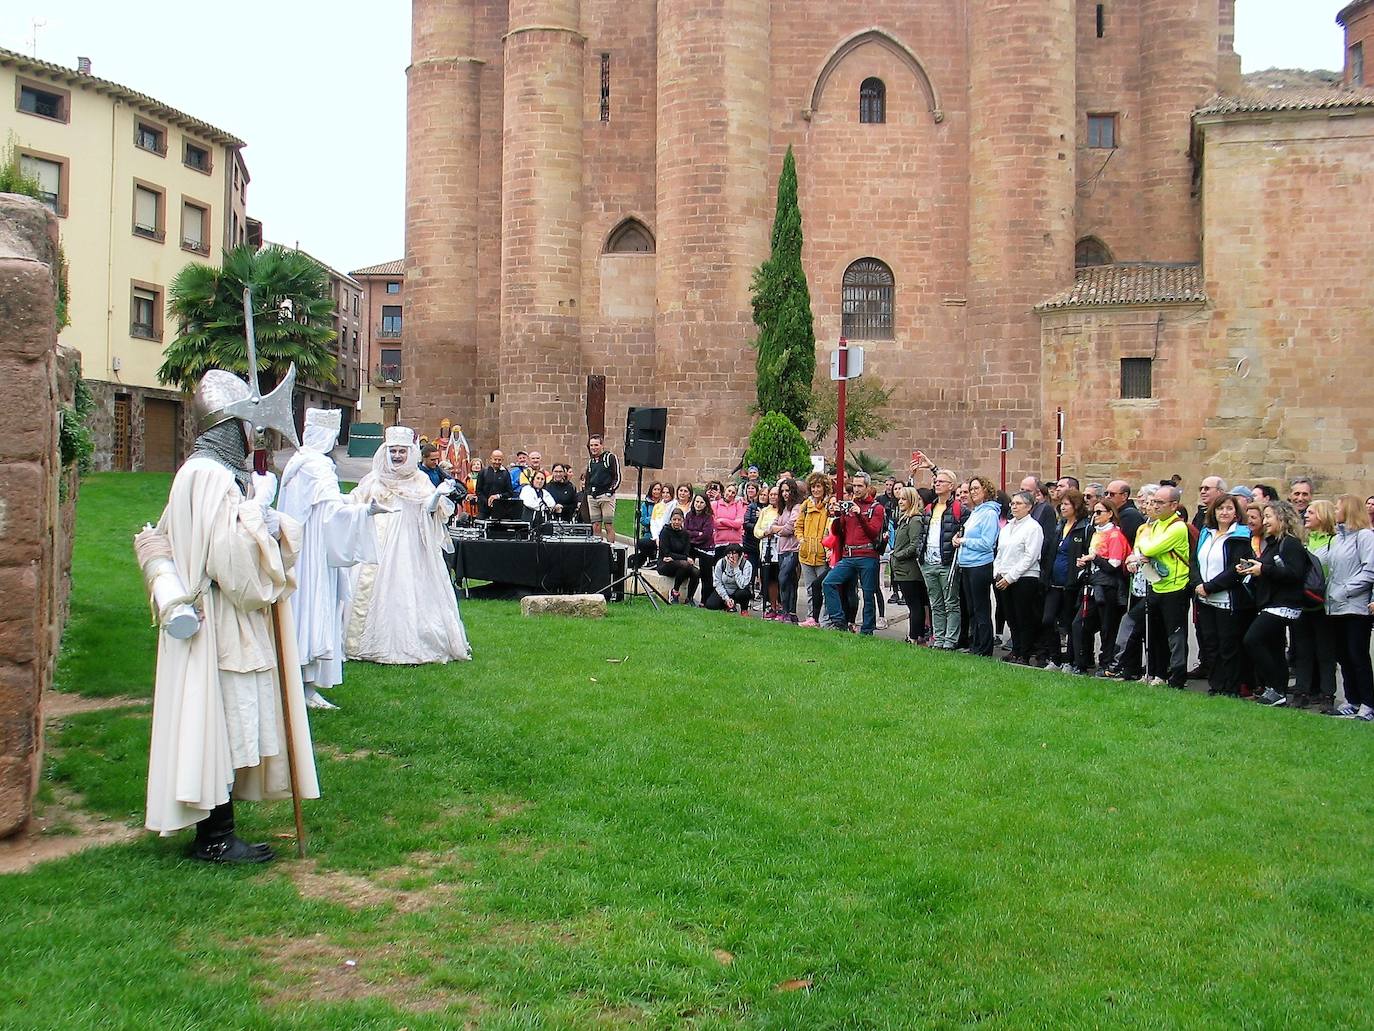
x,y
216,841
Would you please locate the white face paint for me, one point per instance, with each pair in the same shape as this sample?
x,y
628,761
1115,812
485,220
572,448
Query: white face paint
x,y
398,453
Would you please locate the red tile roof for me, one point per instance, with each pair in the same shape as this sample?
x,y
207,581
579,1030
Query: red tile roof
x,y
386,268
1098,286
1300,99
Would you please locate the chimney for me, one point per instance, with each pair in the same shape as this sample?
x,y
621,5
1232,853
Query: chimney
x,y
83,65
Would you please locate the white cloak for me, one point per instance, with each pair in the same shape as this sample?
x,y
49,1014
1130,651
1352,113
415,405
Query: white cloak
x,y
404,608
337,535
217,714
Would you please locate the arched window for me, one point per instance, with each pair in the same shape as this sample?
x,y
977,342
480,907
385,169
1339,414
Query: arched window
x,y
873,101
867,293
1091,251
630,237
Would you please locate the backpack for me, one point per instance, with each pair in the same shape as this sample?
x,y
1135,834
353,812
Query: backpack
x,y
1313,585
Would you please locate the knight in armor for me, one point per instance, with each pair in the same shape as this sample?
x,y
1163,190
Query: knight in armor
x,y
219,729
404,609
337,535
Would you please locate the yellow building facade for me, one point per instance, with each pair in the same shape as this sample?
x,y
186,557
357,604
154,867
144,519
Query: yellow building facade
x,y
140,189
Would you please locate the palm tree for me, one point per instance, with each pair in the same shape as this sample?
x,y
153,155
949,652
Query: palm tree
x,y
292,316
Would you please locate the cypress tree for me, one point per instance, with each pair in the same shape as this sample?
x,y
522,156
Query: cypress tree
x,y
782,310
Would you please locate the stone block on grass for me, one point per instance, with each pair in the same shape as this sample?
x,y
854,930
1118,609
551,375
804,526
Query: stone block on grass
x,y
584,606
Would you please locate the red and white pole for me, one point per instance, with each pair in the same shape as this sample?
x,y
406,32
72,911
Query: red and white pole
x,y
839,416
1002,445
1059,444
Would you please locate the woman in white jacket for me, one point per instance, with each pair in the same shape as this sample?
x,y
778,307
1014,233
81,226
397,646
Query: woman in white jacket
x,y
1016,570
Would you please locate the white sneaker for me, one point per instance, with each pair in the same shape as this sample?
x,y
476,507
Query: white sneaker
x,y
1156,681
1053,666
1273,699
1366,713
315,700
881,623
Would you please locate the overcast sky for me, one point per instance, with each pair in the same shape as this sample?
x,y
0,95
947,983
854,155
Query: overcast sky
x,y
319,94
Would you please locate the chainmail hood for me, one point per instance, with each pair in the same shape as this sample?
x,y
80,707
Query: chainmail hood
x,y
225,444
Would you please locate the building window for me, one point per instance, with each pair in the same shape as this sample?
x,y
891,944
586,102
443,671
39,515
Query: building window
x,y
42,101
393,288
605,87
867,295
1101,20
1136,377
50,172
1102,132
1357,64
355,304
391,320
630,237
150,211
195,227
390,368
197,158
1091,251
145,311
151,137
355,343
873,102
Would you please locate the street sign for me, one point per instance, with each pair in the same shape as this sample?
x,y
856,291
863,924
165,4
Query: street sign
x,y
856,363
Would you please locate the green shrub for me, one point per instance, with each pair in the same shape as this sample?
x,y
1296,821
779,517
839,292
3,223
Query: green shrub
x,y
776,444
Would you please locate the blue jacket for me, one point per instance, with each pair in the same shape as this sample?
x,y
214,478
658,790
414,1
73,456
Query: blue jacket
x,y
980,535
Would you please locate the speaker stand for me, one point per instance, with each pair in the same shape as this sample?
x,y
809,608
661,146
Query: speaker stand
x,y
635,575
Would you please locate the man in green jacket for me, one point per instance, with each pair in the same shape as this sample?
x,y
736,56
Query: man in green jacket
x,y
1162,550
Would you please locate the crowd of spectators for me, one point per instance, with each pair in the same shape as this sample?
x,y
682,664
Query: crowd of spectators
x,y
1097,580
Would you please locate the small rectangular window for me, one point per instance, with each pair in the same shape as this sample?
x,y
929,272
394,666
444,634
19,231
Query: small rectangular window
x,y
1357,64
391,320
393,288
50,178
151,137
1102,132
1101,20
390,366
195,227
197,158
149,212
145,311
605,87
1137,377
37,100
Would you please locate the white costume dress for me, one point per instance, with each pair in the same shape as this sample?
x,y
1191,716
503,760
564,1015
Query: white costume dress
x,y
336,536
404,608
217,715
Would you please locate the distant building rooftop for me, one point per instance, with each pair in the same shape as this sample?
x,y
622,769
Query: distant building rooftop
x,y
1100,286
1288,99
386,268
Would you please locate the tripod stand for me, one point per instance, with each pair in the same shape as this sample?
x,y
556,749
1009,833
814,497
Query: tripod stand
x,y
635,575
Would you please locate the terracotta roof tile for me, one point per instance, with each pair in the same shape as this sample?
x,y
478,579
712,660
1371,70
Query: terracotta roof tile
x,y
1314,98
386,268
1098,286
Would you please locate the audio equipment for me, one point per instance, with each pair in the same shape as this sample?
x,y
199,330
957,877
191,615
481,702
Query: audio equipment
x,y
645,431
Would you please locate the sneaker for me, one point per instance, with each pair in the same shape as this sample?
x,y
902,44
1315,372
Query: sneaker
x,y
1273,699
1156,681
1343,712
1366,713
1197,673
894,598
882,623
1109,673
1054,666
743,610
1077,671
808,622
674,598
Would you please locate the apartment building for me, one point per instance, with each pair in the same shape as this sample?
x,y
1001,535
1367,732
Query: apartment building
x,y
383,353
140,189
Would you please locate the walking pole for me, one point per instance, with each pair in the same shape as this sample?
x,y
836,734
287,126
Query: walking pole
x,y
290,737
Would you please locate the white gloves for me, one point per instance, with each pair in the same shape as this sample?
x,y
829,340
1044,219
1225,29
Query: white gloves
x,y
264,488
434,498
375,507
271,520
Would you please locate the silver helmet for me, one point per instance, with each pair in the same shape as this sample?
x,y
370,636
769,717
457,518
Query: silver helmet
x,y
214,398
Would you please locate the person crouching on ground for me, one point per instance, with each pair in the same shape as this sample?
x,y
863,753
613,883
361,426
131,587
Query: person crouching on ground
x,y
732,579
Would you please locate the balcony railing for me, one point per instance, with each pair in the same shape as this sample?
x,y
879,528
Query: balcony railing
x,y
386,375
389,331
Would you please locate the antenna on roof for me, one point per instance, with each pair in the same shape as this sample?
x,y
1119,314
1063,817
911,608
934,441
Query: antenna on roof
x,y
37,24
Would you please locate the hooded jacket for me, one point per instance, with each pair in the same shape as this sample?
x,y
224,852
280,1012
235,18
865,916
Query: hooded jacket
x,y
1349,566
980,535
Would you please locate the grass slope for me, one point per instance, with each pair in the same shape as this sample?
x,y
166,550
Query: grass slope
x,y
543,838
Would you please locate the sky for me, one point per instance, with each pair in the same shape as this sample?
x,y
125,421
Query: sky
x,y
317,89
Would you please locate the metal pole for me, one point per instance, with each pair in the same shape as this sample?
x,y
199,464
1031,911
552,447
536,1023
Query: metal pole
x,y
1002,445
839,416
1059,444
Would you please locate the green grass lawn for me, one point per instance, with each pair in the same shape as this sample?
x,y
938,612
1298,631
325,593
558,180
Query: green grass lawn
x,y
544,838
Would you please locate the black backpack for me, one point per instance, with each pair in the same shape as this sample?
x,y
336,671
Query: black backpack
x,y
1314,585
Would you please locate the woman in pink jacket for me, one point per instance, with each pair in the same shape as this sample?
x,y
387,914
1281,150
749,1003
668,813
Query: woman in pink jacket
x,y
729,513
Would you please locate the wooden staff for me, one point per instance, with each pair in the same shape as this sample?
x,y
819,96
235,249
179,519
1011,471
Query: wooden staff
x,y
290,737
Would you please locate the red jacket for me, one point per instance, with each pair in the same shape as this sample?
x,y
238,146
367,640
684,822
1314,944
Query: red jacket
x,y
859,529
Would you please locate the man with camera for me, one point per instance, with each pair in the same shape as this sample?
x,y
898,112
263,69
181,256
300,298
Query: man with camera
x,y
857,523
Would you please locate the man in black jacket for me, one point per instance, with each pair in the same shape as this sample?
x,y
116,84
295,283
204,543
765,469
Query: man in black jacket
x,y
603,477
493,484
1128,517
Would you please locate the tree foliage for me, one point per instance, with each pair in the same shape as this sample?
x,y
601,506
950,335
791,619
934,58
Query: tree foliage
x,y
861,461
782,310
776,444
864,410
292,316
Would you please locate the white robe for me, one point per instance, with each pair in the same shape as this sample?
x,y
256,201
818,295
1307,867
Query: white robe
x,y
217,713
404,608
337,535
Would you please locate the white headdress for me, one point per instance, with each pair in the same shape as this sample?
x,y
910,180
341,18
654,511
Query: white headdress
x,y
321,429
390,472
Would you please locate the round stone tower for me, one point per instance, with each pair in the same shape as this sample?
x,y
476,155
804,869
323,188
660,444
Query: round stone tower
x,y
714,211
1179,48
1021,210
541,366
442,150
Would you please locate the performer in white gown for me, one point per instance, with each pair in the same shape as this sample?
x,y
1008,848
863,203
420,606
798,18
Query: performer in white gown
x,y
218,724
404,607
338,534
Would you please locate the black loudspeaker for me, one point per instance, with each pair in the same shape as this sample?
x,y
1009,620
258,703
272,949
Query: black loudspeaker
x,y
645,429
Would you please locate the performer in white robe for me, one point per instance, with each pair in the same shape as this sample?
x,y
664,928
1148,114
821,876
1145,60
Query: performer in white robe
x,y
218,724
337,535
404,607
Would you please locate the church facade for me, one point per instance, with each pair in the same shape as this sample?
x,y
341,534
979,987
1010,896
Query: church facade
x,y
1014,206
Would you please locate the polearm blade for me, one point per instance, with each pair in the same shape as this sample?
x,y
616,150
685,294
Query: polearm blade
x,y
272,412
252,342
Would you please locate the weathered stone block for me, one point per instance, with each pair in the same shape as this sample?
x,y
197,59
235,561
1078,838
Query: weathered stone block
x,y
26,305
16,799
584,606
18,709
